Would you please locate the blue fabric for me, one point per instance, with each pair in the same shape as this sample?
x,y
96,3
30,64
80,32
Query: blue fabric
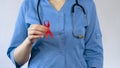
x,y
64,50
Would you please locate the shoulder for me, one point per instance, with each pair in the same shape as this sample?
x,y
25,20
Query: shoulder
x,y
87,2
29,4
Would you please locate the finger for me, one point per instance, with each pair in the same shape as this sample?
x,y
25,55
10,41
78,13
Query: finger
x,y
38,26
44,27
32,37
33,32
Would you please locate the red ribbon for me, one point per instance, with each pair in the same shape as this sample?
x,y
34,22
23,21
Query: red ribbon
x,y
48,31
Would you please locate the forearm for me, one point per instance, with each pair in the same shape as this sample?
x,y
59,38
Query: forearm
x,y
22,52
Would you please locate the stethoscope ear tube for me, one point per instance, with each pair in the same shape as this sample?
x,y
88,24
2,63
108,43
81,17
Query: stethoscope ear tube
x,y
79,5
72,11
38,14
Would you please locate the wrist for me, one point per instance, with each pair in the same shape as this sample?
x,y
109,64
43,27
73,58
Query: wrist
x,y
28,41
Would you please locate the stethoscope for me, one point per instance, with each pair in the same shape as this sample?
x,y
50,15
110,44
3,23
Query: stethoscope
x,y
72,11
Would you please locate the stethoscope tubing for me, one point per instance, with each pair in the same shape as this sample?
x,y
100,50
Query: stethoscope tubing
x,y
72,11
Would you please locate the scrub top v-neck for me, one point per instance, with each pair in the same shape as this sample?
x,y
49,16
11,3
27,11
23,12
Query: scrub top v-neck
x,y
64,50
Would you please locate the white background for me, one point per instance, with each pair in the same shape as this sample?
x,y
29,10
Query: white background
x,y
109,17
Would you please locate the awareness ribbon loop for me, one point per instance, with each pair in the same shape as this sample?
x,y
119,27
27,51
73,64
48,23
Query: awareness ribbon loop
x,y
48,31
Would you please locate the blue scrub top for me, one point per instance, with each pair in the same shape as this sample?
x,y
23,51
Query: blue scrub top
x,y
64,50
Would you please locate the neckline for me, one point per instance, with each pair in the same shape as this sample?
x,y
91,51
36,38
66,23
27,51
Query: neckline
x,y
53,8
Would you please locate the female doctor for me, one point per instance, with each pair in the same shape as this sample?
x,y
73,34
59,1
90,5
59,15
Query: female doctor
x,y
57,34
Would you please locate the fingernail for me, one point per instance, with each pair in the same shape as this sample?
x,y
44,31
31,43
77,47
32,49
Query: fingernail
x,y
42,36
